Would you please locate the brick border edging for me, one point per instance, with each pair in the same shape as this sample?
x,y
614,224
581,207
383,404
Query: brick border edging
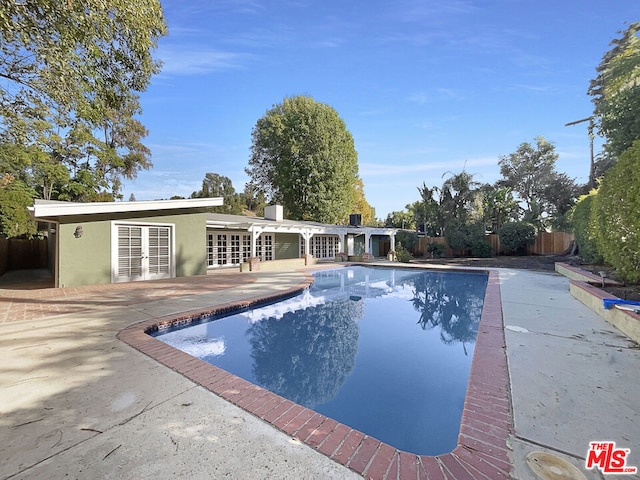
x,y
487,419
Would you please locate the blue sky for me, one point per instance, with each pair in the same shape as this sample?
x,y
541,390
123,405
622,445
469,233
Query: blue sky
x,y
426,87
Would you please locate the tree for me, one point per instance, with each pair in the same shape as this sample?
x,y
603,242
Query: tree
x,y
215,185
561,194
616,92
530,172
361,206
429,212
303,157
402,219
457,198
457,195
253,199
495,206
15,197
71,74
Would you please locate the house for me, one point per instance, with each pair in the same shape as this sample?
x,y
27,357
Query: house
x,y
109,242
234,239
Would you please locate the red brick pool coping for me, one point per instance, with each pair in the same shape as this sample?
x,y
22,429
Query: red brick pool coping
x,y
481,453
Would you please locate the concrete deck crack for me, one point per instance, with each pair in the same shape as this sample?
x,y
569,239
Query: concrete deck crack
x,y
581,337
548,447
97,433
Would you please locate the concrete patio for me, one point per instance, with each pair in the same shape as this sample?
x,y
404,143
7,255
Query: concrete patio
x,y
76,402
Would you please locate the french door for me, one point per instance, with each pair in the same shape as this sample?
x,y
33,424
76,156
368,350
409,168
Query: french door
x,y
227,248
144,252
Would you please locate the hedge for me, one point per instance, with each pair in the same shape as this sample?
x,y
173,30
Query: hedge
x,y
615,215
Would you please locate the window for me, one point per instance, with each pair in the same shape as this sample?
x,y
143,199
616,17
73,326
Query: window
x,y
226,248
235,248
264,247
324,246
222,249
246,247
210,250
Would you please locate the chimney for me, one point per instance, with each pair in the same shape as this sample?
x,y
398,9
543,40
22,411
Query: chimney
x,y
273,212
355,219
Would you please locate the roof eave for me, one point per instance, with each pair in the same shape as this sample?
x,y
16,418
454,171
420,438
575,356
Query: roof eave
x,y
43,209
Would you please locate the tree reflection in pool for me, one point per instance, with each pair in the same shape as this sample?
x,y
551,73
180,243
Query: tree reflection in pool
x,y
383,350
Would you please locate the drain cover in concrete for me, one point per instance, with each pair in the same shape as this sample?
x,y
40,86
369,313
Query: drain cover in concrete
x,y
549,467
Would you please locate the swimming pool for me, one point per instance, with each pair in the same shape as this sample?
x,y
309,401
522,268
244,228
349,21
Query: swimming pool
x,y
384,351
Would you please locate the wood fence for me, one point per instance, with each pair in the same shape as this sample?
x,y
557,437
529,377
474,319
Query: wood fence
x,y
19,254
546,243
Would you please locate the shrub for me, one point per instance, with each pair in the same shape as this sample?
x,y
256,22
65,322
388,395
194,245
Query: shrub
x,y
481,249
402,254
615,217
407,239
517,236
584,229
462,235
435,249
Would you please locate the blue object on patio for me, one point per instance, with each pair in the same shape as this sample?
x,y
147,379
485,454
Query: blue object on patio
x,y
610,302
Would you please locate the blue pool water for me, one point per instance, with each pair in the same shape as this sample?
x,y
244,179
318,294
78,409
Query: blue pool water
x,y
385,351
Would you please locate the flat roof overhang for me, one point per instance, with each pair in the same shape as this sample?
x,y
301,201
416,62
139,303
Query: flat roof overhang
x,y
50,210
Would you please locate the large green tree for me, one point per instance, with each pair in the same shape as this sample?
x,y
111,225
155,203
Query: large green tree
x,y
495,206
428,213
215,185
530,172
402,219
457,195
616,92
71,72
253,199
303,157
361,206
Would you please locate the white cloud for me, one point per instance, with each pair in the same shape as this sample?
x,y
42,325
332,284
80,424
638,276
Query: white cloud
x,y
420,10
328,43
426,125
193,61
536,88
419,98
434,95
396,169
251,7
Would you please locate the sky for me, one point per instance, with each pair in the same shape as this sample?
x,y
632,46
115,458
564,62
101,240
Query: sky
x,y
426,88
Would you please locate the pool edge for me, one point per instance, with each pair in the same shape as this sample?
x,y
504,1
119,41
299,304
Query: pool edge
x,y
487,419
